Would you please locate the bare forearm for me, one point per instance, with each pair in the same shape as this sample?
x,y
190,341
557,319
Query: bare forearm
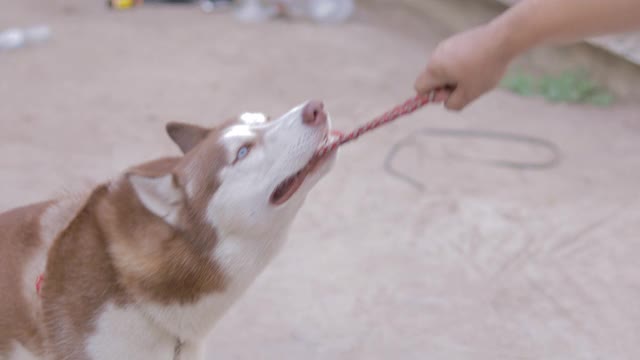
x,y
473,62
533,22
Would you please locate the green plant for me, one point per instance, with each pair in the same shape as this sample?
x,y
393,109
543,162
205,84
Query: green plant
x,y
569,87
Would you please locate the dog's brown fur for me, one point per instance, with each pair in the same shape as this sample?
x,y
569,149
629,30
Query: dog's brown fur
x,y
110,248
19,237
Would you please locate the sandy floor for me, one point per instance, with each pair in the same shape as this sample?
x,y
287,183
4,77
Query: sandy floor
x,y
478,262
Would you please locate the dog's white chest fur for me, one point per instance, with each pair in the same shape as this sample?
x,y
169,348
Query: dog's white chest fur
x,y
241,260
161,327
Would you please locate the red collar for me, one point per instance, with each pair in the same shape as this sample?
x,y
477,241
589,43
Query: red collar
x,y
39,283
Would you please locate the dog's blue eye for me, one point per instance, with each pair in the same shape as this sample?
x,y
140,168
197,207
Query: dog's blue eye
x,y
242,153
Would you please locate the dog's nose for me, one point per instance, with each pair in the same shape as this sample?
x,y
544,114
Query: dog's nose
x,y
313,113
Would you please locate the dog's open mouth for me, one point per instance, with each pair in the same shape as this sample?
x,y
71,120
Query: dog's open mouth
x,y
290,185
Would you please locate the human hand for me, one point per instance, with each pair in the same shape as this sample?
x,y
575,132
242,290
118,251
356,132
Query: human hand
x,y
465,66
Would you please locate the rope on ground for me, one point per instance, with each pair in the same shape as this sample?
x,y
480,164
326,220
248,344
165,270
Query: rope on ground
x,y
552,161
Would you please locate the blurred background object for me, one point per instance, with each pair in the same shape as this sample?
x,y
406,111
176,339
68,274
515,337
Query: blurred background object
x,y
211,5
124,4
321,11
16,38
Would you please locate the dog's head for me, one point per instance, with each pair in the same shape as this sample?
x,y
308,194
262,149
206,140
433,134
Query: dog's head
x,y
249,174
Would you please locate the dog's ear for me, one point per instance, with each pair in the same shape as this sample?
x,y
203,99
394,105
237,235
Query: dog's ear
x,y
186,136
161,195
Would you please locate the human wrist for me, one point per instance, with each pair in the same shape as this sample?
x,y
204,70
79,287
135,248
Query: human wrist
x,y
510,35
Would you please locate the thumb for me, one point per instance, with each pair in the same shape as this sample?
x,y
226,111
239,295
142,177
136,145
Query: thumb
x,y
457,100
429,80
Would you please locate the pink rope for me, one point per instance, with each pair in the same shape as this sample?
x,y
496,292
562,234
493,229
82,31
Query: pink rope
x,y
406,108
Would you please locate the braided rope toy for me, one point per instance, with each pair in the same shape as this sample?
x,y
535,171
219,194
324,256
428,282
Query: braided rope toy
x,y
403,109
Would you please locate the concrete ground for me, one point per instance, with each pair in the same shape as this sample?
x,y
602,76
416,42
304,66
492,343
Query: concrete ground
x,y
478,262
